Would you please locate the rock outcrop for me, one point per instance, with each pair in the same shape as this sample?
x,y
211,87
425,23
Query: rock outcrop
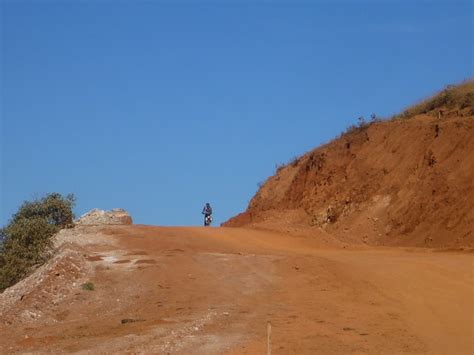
x,y
98,217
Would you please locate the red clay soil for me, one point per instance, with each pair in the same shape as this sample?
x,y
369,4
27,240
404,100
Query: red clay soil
x,y
214,290
403,182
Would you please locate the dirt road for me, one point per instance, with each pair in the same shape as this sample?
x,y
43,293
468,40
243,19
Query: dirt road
x,y
195,290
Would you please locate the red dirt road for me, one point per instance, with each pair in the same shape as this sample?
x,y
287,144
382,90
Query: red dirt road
x,y
196,290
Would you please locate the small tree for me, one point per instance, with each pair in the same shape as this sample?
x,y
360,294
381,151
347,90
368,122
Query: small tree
x,y
26,240
54,208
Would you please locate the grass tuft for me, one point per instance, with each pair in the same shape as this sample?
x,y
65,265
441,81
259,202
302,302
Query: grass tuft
x,y
88,286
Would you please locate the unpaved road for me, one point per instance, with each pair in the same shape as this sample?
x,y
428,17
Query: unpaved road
x,y
195,290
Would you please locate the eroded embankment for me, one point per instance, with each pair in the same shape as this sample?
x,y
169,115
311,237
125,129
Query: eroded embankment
x,y
405,182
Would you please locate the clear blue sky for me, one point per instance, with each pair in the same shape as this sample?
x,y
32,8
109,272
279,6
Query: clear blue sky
x,y
159,107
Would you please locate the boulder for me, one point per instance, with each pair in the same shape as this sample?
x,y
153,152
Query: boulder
x,y
97,217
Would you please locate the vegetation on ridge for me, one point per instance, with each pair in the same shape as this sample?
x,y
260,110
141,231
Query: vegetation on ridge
x,y
26,240
459,96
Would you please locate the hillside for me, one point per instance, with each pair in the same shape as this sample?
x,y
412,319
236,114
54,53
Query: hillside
x,y
407,181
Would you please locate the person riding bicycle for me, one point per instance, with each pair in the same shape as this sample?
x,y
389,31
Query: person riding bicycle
x,y
207,212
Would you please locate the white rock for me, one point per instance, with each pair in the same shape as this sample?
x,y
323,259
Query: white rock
x,y
97,217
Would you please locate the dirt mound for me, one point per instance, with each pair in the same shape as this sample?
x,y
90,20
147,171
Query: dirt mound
x,y
36,297
407,181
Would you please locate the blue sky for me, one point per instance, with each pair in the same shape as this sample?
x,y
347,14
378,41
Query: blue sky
x,y
158,107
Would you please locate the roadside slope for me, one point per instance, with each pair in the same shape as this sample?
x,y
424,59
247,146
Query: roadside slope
x,y
407,181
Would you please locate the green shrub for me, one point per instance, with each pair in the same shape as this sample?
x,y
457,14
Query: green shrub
x,y
26,240
54,208
88,286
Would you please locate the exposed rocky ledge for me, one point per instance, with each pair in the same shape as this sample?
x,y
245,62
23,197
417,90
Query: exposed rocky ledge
x,y
98,217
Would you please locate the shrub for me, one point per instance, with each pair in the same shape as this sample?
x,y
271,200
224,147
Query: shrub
x,y
361,125
294,162
54,208
279,167
88,286
26,240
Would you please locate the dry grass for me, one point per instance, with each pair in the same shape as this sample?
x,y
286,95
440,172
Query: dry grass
x,y
453,96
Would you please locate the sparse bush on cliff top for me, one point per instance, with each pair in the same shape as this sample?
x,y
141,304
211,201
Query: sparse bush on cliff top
x,y
26,240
